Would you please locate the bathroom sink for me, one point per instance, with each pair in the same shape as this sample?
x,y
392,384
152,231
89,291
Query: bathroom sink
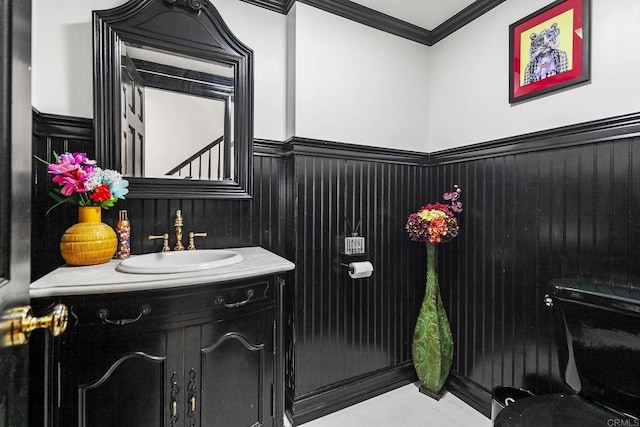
x,y
179,262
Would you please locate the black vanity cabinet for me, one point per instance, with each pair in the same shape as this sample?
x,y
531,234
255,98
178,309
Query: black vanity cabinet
x,y
202,355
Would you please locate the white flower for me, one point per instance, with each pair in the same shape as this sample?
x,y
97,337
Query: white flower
x,y
94,180
110,176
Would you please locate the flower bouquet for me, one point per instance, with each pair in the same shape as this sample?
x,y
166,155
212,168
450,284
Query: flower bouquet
x,y
432,347
82,183
436,222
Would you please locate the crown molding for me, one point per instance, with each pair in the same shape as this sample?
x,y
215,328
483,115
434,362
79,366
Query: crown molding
x,y
369,17
380,21
462,18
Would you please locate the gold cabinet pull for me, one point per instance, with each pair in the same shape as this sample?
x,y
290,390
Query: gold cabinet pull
x,y
174,409
192,404
17,324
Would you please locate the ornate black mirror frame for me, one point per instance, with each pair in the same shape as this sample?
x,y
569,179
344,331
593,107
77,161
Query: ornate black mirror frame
x,y
191,28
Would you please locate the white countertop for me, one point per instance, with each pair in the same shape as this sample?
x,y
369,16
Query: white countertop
x,y
103,278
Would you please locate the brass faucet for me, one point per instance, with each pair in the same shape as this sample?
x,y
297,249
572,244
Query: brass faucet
x,y
178,224
179,246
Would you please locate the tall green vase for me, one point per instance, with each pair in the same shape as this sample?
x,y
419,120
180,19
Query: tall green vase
x,y
432,347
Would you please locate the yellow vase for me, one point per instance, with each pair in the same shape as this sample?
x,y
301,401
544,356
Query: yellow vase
x,y
90,241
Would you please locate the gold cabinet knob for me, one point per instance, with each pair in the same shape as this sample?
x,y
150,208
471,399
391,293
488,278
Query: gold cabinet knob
x,y
17,324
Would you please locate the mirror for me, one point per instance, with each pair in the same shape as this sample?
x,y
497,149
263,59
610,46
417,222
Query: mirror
x,y
173,97
167,98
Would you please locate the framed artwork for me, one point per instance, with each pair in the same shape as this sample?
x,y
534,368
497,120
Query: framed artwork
x,y
549,50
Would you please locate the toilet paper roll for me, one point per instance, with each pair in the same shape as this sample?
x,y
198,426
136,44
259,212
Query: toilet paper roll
x,y
360,270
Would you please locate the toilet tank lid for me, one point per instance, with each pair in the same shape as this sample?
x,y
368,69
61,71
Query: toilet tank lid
x,y
611,296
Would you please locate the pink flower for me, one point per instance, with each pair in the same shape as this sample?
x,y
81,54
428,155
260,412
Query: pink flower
x,y
450,196
71,170
69,162
453,197
71,183
456,206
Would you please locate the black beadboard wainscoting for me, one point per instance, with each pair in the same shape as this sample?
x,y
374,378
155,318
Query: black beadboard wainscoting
x,y
563,203
350,339
558,203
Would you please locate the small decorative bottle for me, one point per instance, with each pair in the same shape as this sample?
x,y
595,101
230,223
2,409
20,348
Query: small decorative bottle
x,y
123,229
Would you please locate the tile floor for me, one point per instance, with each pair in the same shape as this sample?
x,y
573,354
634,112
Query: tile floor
x,y
405,407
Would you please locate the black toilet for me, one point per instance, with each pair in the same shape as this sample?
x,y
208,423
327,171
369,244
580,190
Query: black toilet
x,y
599,353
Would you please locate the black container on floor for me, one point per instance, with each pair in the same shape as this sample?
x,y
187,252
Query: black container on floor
x,y
503,396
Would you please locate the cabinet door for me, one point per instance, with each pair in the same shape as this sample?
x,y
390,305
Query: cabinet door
x,y
237,371
113,380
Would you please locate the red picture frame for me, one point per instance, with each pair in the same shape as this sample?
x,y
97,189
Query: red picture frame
x,y
549,50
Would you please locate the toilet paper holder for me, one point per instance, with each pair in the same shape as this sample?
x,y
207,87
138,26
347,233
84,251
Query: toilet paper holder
x,y
359,270
347,259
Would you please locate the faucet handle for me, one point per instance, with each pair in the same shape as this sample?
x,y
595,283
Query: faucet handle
x,y
192,236
165,241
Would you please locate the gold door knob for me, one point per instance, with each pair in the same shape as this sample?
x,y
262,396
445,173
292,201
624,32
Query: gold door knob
x,y
17,324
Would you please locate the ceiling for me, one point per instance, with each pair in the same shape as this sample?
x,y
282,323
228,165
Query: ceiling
x,y
427,14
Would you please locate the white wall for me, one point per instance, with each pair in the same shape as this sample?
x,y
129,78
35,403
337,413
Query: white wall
x,y
62,58
357,84
62,52
468,98
265,32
